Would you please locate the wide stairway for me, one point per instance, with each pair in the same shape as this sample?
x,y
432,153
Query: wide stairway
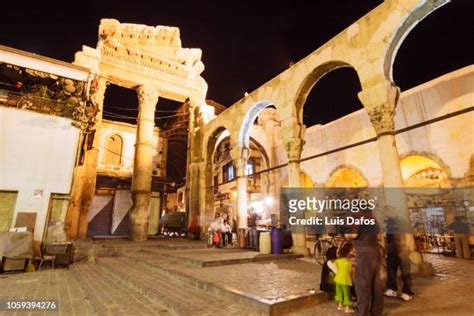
x,y
187,278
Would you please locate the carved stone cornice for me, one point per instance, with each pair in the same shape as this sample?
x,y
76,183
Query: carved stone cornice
x,y
380,102
294,148
134,54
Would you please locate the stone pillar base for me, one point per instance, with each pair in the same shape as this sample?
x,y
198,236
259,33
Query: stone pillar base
x,y
425,269
301,250
418,266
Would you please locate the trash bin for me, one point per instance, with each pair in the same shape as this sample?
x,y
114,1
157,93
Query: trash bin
x,y
265,244
277,240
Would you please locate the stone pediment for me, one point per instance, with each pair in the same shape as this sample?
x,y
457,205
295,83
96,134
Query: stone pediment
x,y
133,54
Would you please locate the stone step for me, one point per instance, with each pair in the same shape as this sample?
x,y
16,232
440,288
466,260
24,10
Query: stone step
x,y
245,257
172,268
113,247
179,297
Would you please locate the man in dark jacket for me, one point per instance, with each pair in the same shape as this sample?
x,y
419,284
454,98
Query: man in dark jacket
x,y
367,281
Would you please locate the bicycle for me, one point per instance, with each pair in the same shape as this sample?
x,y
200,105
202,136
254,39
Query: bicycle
x,y
322,245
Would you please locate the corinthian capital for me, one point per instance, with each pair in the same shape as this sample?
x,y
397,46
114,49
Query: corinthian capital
x,y
380,102
147,95
294,147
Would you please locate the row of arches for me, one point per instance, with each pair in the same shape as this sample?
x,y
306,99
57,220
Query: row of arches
x,y
369,47
419,171
346,56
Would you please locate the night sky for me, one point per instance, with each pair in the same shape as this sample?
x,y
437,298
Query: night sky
x,y
246,43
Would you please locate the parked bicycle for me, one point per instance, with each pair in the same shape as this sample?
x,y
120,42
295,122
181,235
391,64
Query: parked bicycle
x,y
336,240
323,244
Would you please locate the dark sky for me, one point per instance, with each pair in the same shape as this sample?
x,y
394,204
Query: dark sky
x,y
246,43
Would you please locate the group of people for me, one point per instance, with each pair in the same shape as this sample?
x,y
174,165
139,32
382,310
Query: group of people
x,y
220,231
352,272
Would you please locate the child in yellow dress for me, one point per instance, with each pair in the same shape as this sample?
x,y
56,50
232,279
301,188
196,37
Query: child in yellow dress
x,y
343,278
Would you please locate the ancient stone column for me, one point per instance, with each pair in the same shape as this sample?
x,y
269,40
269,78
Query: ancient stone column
x,y
192,181
380,102
83,188
239,158
189,194
206,194
294,147
142,167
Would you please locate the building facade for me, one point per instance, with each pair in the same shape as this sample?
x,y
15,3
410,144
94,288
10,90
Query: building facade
x,y
45,114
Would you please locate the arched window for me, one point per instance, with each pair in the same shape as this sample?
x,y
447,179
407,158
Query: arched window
x,y
113,150
346,177
423,172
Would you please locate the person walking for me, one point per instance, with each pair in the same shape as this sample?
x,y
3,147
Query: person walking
x,y
460,229
253,233
396,259
368,261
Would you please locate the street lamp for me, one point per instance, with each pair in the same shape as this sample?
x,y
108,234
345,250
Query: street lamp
x,y
269,201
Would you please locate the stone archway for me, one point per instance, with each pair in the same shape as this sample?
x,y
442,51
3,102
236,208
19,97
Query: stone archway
x,y
312,79
249,119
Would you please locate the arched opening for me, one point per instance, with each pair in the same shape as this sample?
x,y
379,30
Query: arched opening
x,y
331,93
113,150
423,172
346,177
421,57
252,117
259,132
211,183
429,206
224,182
120,104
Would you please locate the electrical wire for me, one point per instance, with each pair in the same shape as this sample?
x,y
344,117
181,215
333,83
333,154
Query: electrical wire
x,y
113,152
134,117
129,109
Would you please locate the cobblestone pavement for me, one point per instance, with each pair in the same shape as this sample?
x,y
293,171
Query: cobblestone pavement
x,y
120,286
58,285
82,290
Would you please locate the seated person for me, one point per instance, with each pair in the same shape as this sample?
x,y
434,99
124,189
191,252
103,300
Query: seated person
x,y
226,231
